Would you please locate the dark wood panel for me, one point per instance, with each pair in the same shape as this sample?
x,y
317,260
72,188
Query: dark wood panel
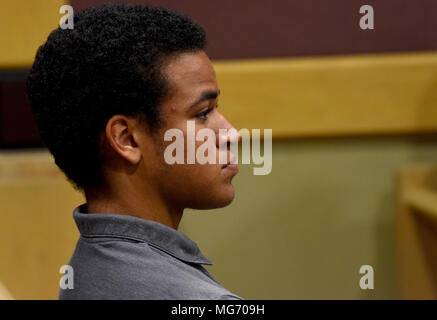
x,y
17,126
262,28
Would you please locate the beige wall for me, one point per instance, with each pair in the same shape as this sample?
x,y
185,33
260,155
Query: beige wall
x,y
303,231
37,232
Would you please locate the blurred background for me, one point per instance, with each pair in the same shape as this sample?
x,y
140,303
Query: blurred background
x,y
354,119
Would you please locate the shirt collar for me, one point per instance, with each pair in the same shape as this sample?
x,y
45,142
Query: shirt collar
x,y
128,227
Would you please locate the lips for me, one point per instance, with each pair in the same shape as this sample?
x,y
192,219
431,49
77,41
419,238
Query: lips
x,y
231,167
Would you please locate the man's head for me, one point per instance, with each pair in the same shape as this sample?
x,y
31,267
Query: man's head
x,y
104,94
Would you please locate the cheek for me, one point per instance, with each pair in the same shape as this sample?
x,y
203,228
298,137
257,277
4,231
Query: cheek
x,y
192,185
198,186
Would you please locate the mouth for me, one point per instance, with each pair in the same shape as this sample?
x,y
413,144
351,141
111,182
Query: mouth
x,y
231,168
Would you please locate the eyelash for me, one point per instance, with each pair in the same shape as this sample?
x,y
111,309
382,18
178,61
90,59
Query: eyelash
x,y
203,115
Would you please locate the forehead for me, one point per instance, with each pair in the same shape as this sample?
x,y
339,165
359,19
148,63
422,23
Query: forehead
x,y
189,74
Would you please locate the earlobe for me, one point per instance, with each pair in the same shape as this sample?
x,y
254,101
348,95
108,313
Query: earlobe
x,y
120,133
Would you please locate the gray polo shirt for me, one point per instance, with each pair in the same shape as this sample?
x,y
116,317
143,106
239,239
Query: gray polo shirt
x,y
124,257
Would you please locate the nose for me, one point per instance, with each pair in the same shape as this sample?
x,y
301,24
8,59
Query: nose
x,y
227,134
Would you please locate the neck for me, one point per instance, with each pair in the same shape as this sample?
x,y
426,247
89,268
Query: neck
x,y
125,199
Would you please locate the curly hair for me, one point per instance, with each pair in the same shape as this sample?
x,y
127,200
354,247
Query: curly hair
x,y
110,63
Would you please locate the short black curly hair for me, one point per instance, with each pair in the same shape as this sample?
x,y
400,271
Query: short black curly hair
x,y
110,63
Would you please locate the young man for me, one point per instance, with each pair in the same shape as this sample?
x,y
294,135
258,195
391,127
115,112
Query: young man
x,y
103,95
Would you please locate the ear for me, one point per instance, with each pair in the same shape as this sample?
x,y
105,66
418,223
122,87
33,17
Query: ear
x,y
121,134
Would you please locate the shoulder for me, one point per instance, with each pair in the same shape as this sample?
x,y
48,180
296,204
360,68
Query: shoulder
x,y
112,268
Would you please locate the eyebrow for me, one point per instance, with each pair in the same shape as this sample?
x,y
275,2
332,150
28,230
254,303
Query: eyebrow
x,y
207,95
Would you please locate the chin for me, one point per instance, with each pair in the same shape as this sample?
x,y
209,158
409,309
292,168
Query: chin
x,y
225,196
226,200
219,199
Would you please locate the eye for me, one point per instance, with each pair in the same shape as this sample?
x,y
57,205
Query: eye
x,y
204,114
